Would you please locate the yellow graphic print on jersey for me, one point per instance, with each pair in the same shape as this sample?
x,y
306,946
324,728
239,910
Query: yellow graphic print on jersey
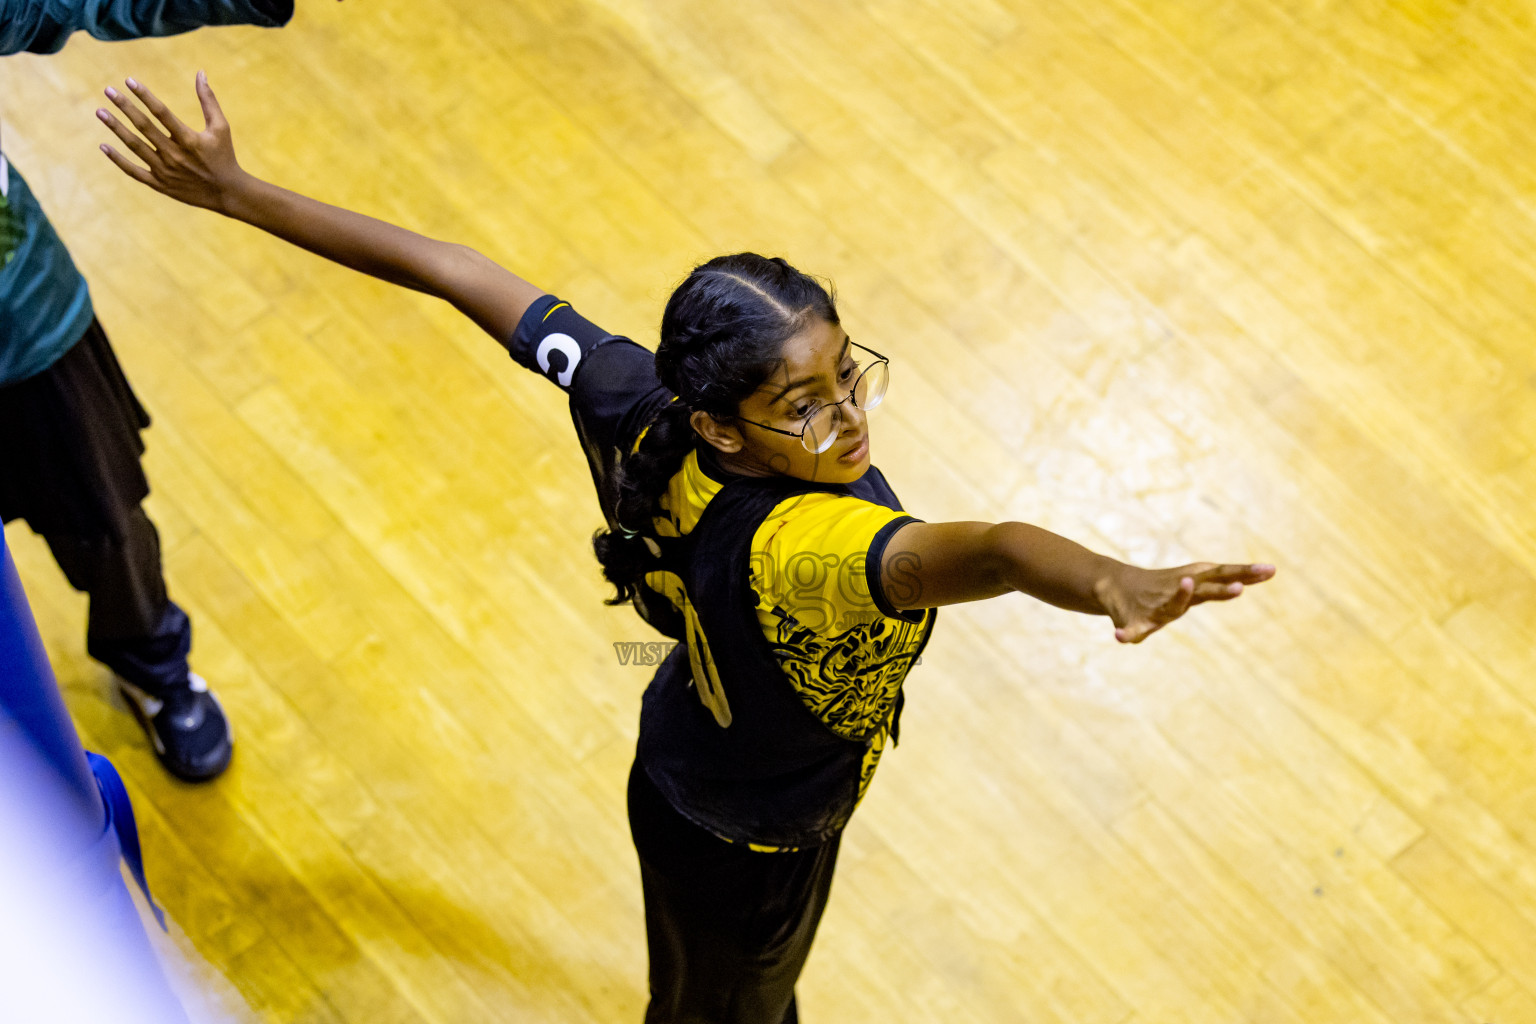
x,y
849,680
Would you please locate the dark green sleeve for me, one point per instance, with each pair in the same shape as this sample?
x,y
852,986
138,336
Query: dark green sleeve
x,y
43,26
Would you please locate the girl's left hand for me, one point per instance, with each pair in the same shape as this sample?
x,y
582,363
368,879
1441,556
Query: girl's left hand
x,y
197,168
1143,601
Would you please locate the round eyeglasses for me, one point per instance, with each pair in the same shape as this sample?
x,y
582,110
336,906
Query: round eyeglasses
x,y
822,424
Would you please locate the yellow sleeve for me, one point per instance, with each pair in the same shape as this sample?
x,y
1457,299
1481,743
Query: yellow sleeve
x,y
810,558
841,646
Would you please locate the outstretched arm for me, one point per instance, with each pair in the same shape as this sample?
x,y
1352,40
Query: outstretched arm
x,y
927,565
43,26
199,168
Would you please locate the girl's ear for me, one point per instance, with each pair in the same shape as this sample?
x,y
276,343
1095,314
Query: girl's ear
x,y
722,434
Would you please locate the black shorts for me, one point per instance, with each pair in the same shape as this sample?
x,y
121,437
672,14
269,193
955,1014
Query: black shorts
x,y
728,929
70,445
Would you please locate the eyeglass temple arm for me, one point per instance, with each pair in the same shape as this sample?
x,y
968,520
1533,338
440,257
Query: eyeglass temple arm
x,y
866,348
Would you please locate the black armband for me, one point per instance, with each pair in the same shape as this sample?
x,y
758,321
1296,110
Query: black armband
x,y
552,339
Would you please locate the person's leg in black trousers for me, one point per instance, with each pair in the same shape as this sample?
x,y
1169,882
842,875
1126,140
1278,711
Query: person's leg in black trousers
x,y
131,628
70,450
144,637
728,929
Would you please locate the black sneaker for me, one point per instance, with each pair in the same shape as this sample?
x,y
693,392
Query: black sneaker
x,y
187,728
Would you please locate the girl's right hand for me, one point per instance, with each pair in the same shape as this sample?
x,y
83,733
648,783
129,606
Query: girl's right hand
x,y
1143,601
197,168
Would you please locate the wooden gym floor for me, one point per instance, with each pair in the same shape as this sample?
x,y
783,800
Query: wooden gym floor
x,y
1234,279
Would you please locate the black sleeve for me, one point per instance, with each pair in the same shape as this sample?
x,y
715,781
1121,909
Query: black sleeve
x,y
901,576
611,380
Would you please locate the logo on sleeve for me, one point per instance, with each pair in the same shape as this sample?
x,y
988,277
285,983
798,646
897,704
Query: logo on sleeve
x,y
566,346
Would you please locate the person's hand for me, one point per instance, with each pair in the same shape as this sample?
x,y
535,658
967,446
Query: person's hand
x,y
1143,601
197,168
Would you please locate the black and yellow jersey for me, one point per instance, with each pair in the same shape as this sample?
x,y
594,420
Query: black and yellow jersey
x,y
808,583
842,648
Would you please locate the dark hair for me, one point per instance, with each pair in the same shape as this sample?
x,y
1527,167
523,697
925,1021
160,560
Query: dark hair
x,y
722,334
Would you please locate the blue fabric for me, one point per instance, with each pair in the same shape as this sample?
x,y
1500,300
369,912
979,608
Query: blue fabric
x,y
120,819
30,697
43,26
45,306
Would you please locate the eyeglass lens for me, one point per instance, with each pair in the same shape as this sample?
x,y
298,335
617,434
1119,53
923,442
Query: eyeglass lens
x,y
868,391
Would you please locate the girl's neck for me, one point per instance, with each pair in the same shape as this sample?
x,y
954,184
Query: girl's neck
x,y
733,463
